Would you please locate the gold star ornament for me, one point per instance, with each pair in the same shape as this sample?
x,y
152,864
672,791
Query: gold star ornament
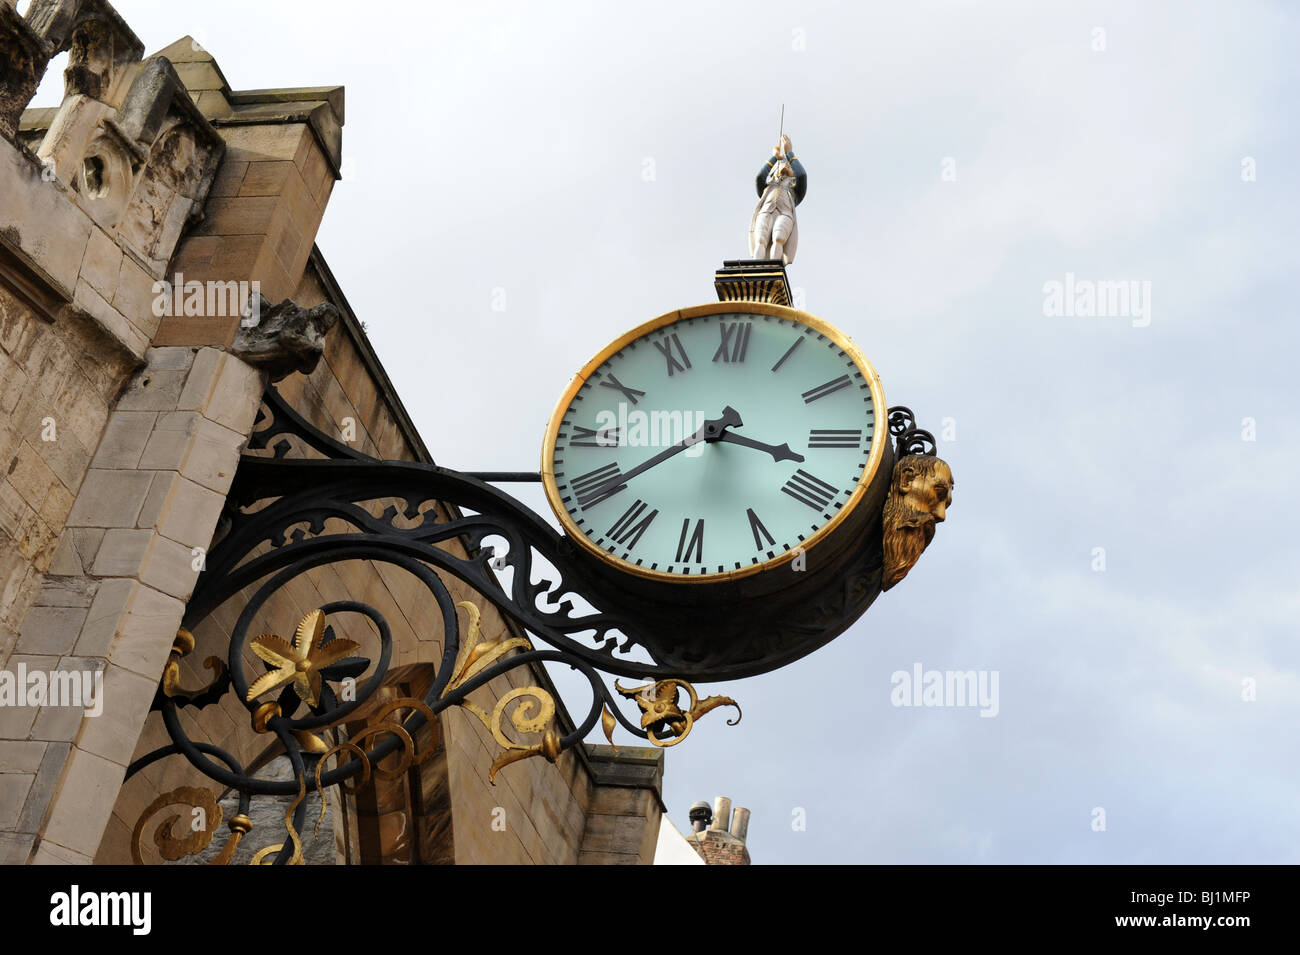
x,y
301,663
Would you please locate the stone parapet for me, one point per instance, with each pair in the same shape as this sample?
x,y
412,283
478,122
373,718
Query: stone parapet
x,y
626,805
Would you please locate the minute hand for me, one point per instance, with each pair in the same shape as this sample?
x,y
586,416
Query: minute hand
x,y
713,430
779,452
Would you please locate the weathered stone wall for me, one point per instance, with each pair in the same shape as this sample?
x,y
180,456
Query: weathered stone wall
x,y
57,382
88,222
117,586
74,323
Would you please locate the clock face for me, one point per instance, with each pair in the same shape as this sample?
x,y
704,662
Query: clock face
x,y
715,442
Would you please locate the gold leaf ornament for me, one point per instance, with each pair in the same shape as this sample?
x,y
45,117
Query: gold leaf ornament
x,y
661,712
182,646
169,846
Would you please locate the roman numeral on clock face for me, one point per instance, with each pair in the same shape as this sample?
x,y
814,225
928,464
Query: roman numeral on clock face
x,y
821,391
735,341
834,438
595,486
756,527
630,394
629,528
695,543
810,490
666,349
591,438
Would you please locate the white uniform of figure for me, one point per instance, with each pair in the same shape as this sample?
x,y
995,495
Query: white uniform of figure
x,y
781,184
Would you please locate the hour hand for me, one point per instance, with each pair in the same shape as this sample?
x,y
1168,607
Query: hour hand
x,y
715,429
779,452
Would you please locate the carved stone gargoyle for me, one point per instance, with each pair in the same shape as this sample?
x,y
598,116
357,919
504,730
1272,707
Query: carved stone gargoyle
x,y
920,491
286,337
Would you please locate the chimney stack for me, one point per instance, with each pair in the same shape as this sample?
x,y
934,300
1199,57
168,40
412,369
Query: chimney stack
x,y
718,835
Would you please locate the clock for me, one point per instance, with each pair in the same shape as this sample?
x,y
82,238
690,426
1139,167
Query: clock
x,y
729,442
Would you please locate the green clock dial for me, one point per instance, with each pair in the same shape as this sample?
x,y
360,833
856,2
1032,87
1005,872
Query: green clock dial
x,y
715,442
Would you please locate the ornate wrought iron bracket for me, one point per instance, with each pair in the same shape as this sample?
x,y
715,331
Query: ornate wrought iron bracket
x,y
286,516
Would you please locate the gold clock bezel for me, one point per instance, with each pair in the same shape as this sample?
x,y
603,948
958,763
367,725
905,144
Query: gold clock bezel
x,y
879,436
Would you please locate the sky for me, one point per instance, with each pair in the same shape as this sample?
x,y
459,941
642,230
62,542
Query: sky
x,y
525,182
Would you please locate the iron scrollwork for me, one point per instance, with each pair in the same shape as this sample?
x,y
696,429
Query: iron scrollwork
x,y
908,438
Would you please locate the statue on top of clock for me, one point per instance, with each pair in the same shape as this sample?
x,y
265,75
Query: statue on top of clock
x,y
781,183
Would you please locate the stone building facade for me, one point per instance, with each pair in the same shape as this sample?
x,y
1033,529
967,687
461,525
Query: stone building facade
x,y
125,405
